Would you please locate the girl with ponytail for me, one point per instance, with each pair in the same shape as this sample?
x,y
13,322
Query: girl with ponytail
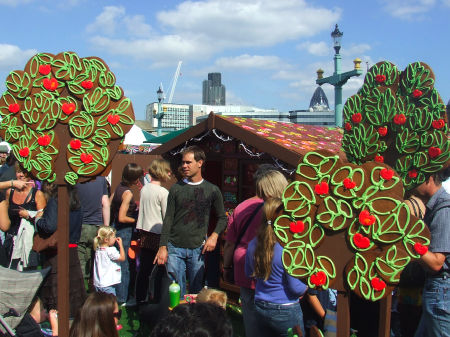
x,y
277,293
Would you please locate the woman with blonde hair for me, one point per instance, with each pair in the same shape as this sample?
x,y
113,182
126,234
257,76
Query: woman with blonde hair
x,y
152,209
277,293
242,227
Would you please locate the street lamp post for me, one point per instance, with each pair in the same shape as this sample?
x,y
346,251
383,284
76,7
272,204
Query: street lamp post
x,y
159,115
338,79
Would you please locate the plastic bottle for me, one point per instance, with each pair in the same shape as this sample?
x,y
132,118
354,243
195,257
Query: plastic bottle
x,y
174,294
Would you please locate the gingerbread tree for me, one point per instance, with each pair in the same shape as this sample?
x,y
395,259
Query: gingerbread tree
x,y
64,105
346,217
400,119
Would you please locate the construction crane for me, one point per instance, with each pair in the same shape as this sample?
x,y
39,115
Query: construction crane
x,y
174,81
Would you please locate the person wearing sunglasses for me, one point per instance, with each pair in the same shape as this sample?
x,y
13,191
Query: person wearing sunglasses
x,y
98,317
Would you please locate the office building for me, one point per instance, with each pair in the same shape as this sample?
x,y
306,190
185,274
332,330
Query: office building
x,y
213,90
319,112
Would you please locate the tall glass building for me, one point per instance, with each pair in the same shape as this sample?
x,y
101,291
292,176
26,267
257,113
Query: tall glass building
x,y
213,90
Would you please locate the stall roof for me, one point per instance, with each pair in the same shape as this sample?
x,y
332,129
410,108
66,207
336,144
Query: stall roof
x,y
288,142
165,138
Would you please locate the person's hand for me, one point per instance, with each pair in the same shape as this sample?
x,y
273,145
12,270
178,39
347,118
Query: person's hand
x,y
210,243
23,213
20,184
161,256
119,241
53,319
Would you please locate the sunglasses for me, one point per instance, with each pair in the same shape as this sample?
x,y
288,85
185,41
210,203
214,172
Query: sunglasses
x,y
118,314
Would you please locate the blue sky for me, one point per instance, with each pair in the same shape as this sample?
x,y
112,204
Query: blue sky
x,y
268,51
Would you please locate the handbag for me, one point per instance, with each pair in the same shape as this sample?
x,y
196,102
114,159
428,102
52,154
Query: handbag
x,y
42,242
230,269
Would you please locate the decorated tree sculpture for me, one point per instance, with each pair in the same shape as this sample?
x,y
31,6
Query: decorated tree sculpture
x,y
400,119
360,205
66,98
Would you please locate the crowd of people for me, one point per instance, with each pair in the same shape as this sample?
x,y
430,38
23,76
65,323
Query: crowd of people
x,y
170,229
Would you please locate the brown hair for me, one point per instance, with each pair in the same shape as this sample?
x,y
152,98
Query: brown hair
x,y
95,318
266,239
199,154
159,169
131,172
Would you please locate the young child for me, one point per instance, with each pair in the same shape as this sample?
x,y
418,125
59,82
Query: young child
x,y
107,271
214,296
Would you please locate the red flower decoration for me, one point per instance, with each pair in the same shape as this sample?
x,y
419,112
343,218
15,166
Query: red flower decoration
x,y
433,152
417,93
349,184
318,279
382,131
68,108
347,126
380,78
297,226
45,69
366,219
412,174
386,174
87,84
400,119
379,159
86,158
113,119
75,144
377,284
438,124
14,108
51,84
357,118
361,241
420,248
321,188
24,152
44,140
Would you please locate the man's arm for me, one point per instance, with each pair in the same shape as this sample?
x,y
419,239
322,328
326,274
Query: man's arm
x,y
211,242
433,261
106,209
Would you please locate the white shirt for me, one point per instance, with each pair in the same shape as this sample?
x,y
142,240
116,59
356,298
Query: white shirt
x,y
106,269
152,208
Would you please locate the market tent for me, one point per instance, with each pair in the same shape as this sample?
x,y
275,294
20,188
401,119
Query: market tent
x,y
136,136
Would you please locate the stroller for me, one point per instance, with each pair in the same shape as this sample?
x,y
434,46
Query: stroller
x,y
17,290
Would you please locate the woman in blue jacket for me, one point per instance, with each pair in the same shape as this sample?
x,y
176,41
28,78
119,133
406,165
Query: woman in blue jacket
x,y
277,293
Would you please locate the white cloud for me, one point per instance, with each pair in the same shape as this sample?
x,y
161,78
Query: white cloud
x,y
107,21
201,29
355,49
233,23
246,61
316,48
12,57
136,26
408,9
446,2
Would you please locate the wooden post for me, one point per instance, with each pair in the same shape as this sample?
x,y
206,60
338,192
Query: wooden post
x,y
343,314
63,261
384,325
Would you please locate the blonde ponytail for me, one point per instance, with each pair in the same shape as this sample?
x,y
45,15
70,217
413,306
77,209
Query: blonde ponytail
x,y
103,234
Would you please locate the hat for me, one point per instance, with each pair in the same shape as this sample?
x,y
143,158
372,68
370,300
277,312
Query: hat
x,y
133,250
5,147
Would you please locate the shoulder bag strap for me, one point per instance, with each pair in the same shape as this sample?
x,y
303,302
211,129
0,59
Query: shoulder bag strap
x,y
249,220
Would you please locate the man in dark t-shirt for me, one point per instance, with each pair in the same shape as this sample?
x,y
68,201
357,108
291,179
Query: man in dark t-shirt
x,y
95,208
183,238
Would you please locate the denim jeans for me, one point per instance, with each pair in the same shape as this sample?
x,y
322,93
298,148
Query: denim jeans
x,y
106,290
275,319
122,287
181,260
435,320
249,314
